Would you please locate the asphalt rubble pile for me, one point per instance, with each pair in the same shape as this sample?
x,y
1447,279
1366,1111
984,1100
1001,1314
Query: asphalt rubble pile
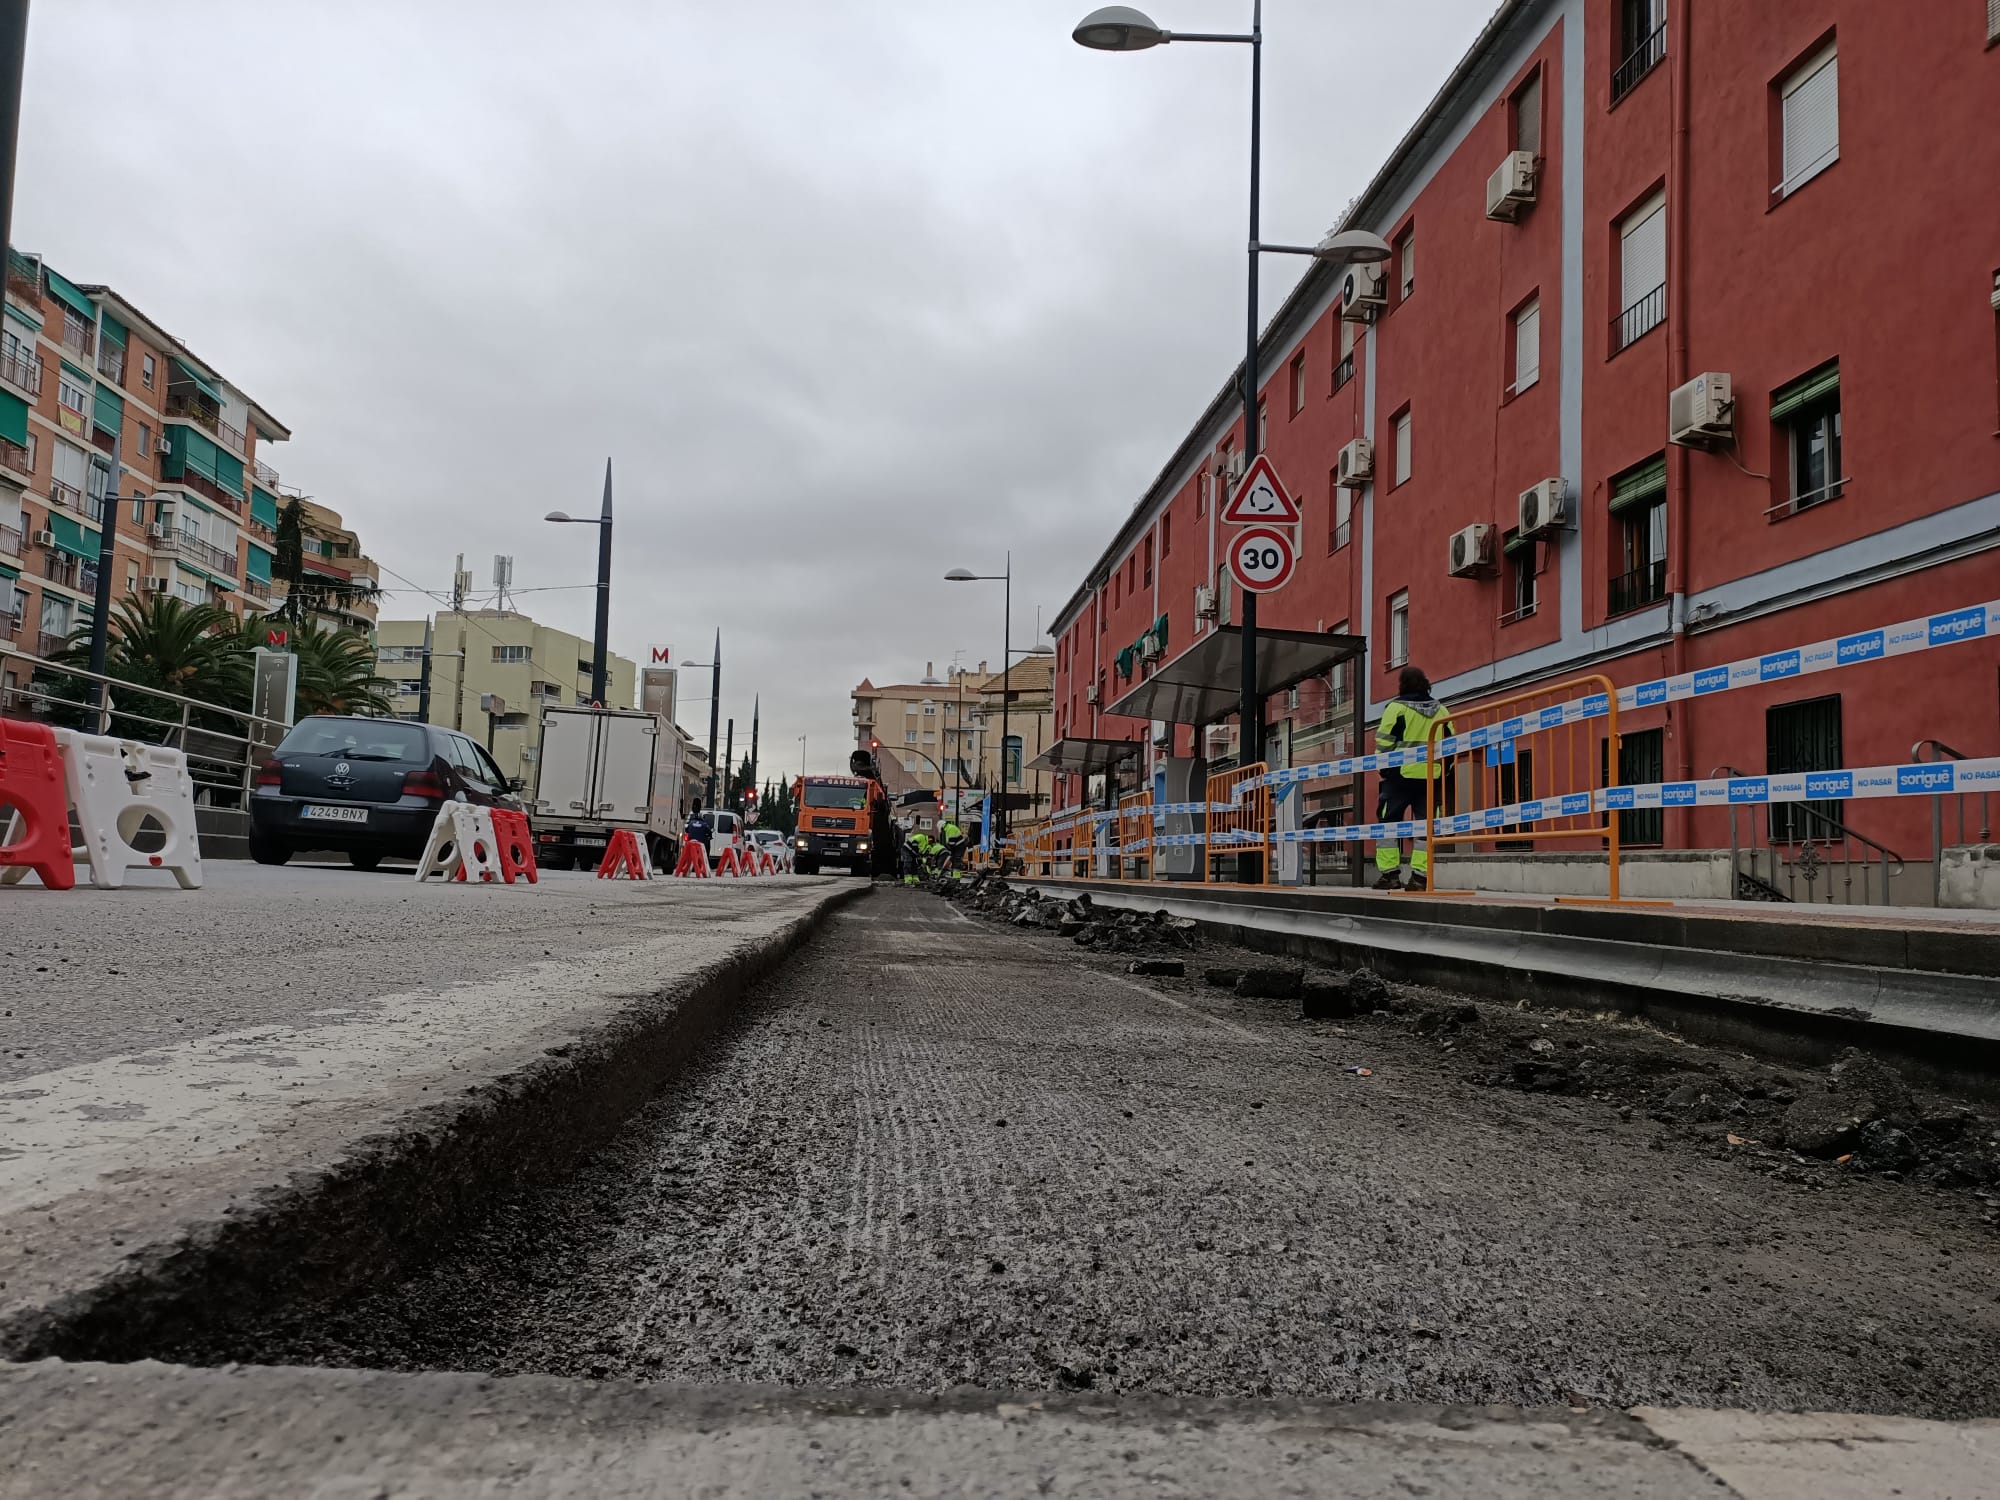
x,y
1857,1117
1077,919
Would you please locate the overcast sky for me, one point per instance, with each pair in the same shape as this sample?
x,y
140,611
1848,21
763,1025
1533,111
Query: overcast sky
x,y
852,294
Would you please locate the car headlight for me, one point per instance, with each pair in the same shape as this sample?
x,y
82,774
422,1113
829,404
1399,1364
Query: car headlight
x,y
862,847
802,843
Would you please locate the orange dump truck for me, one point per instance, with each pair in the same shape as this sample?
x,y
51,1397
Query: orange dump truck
x,y
844,820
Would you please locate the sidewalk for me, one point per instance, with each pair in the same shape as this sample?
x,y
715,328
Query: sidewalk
x,y
105,1432
179,1069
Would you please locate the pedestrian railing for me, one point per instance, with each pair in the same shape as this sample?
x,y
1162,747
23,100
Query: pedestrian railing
x,y
1938,750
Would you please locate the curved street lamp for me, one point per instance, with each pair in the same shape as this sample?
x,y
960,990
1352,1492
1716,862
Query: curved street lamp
x,y
602,644
1124,28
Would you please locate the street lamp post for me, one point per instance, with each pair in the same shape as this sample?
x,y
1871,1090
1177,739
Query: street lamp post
x,y
1121,28
1006,581
601,645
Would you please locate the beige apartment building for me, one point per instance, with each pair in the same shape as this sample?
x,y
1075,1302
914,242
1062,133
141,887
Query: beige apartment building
x,y
492,673
340,584
945,732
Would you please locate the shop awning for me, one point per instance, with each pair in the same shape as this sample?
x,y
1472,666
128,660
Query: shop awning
x,y
1076,757
1205,682
200,381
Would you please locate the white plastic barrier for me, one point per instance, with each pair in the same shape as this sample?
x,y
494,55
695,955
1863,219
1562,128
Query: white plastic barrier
x,y
117,787
462,845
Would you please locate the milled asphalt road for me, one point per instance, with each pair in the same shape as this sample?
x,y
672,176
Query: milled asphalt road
x,y
939,1153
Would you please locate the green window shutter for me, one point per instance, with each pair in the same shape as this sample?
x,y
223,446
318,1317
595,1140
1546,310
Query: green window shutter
x,y
114,331
110,412
1160,630
72,538
66,291
13,419
81,377
229,471
1804,391
9,572
257,564
1515,545
1640,486
263,507
185,371
25,318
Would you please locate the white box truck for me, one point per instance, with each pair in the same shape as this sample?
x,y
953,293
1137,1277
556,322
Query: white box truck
x,y
599,770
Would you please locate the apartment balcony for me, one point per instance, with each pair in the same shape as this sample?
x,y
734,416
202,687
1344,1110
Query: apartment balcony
x,y
24,277
21,372
185,405
259,529
65,496
14,459
10,542
69,571
1637,589
10,627
79,337
266,476
202,554
111,362
51,643
202,485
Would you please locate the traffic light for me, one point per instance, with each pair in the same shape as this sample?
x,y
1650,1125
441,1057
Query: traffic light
x,y
874,744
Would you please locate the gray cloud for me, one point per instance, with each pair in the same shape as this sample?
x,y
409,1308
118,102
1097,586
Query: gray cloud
x,y
852,295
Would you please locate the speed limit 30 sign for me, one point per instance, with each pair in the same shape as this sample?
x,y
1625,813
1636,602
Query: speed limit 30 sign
x,y
1262,559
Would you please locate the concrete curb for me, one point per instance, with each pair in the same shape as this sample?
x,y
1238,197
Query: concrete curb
x,y
393,1197
1944,1028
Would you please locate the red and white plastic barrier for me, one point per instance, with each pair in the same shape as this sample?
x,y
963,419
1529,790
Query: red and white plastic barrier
x,y
514,846
462,845
693,863
625,854
117,788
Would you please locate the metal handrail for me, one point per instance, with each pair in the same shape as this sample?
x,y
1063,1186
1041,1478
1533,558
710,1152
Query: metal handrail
x,y
212,772
1934,750
1824,831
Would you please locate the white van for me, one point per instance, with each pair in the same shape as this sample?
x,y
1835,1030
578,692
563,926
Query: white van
x,y
728,828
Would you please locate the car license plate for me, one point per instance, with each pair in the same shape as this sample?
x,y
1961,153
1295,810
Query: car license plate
x,y
590,843
337,814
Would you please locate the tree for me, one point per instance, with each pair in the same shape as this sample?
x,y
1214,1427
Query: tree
x,y
336,671
288,562
192,650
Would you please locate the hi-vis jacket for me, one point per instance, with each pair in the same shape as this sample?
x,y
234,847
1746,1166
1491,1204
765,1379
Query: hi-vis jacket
x,y
1407,722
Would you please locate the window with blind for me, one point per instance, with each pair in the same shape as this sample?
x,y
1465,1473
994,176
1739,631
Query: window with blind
x,y
1639,519
1402,446
1406,261
1993,20
1298,384
1806,414
1528,114
1527,346
1810,119
1340,512
1642,271
1399,629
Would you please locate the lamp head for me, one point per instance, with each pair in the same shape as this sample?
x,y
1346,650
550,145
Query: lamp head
x,y
1357,245
1118,28
558,515
962,575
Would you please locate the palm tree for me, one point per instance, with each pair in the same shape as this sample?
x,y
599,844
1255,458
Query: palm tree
x,y
192,650
337,672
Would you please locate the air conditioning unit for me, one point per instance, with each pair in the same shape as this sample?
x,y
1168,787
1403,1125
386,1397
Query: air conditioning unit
x,y
1150,646
1701,413
1362,293
1231,466
1511,188
1090,694
1356,465
1544,508
156,585
45,539
1472,549
165,444
1163,732
1204,602
157,532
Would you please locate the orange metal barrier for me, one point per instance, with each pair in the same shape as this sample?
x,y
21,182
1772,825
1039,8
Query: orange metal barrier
x,y
1540,764
1135,834
1245,827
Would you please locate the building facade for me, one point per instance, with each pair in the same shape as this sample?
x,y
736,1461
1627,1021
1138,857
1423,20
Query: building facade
x,y
478,656
97,400
1608,201
926,728
339,585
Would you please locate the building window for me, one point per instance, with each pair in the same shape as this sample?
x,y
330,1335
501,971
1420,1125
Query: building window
x,y
1803,737
1166,533
1201,494
72,395
145,440
510,653
930,709
1807,416
1406,263
1524,561
909,736
1148,551
1263,425
1399,629
146,371
1340,512
1298,384
79,333
1343,369
1642,761
1639,523
1527,322
1117,587
1809,117
1402,448
1642,272
1992,22
1011,759
1642,42
1527,112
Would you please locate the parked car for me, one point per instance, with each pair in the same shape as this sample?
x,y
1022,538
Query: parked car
x,y
767,841
369,788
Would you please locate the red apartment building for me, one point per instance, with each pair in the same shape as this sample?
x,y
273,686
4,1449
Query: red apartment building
x,y
1804,198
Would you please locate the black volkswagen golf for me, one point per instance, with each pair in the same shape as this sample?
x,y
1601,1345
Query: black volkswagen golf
x,y
369,788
